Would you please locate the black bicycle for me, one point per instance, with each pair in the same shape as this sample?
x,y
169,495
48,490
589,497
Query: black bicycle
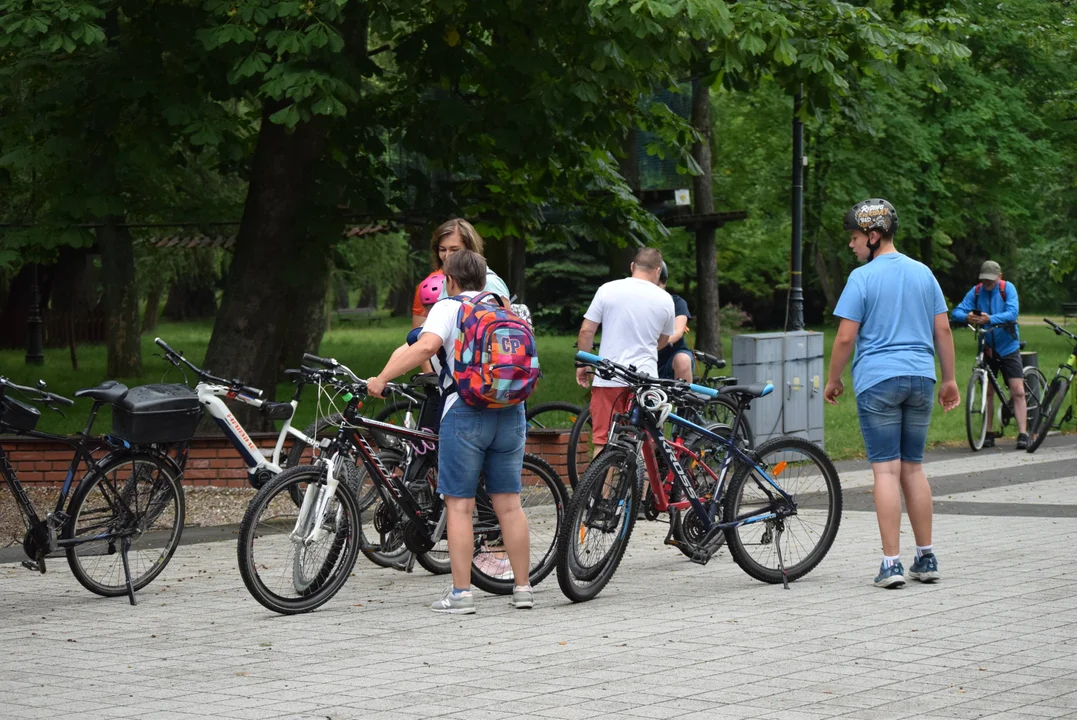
x,y
125,517
294,559
779,514
718,410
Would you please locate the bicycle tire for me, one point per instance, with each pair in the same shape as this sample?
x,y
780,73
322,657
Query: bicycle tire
x,y
582,581
1052,403
385,440
722,411
546,408
777,450
572,468
341,538
545,517
1035,384
976,431
147,501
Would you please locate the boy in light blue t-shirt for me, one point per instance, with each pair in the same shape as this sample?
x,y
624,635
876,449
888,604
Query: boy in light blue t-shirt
x,y
893,311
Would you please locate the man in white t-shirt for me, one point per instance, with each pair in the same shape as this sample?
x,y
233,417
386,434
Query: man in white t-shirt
x,y
637,319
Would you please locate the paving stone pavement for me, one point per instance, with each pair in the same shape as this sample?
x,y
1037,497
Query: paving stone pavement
x,y
667,639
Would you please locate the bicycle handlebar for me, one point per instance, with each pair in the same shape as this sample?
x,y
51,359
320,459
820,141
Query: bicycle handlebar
x,y
175,357
1059,330
41,395
641,378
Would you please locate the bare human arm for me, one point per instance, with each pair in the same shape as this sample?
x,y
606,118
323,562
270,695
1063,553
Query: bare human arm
x,y
844,342
585,341
413,356
949,396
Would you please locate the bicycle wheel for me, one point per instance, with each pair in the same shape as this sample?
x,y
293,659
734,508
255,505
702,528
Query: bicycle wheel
x,y
806,473
395,413
381,532
722,411
543,497
580,434
552,415
600,520
286,567
976,409
138,497
1035,384
1049,408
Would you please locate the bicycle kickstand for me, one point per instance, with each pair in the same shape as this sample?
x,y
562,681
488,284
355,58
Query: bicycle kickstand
x,y
781,563
125,544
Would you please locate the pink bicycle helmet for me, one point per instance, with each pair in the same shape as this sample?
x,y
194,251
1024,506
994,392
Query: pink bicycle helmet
x,y
430,289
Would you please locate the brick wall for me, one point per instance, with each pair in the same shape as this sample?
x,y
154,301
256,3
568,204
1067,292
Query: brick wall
x,y
213,460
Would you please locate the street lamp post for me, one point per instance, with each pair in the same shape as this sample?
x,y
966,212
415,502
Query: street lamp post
x,y
35,354
796,288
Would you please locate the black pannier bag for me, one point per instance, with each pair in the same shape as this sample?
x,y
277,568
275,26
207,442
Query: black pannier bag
x,y
18,416
156,414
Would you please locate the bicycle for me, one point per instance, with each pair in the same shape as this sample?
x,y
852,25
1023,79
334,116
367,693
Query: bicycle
x,y
716,411
294,559
983,385
1061,384
127,508
755,511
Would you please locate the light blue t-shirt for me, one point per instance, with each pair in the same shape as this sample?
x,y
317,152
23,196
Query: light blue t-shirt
x,y
494,284
895,299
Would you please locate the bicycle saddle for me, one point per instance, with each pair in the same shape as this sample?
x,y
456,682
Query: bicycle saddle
x,y
754,390
109,391
1021,345
708,359
426,380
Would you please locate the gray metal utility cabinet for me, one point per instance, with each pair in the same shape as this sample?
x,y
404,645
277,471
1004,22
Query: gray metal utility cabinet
x,y
793,363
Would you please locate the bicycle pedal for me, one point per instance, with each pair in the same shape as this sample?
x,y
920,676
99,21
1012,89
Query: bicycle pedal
x,y
701,556
35,566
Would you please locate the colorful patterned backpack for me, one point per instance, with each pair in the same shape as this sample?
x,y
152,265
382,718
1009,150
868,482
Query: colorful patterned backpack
x,y
495,364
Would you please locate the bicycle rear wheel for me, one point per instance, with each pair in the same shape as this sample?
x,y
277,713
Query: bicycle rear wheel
x,y
285,566
806,473
976,409
552,416
600,520
580,435
381,531
721,411
543,497
138,497
1049,409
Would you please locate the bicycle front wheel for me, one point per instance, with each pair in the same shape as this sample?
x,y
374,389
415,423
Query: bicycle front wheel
x,y
287,564
1035,384
543,497
803,538
135,499
552,416
976,410
1049,409
600,520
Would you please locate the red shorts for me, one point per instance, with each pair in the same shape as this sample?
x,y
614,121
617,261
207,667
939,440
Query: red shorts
x,y
605,403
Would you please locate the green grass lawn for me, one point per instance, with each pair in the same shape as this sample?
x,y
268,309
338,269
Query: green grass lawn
x,y
365,350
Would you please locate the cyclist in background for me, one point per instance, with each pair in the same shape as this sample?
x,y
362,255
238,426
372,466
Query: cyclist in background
x,y
991,304
675,360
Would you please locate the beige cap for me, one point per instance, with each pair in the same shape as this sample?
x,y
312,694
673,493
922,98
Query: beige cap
x,y
990,270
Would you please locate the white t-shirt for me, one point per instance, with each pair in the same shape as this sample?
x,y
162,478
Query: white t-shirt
x,y
633,313
442,322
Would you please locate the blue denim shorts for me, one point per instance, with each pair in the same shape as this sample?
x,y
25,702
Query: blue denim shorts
x,y
487,442
894,417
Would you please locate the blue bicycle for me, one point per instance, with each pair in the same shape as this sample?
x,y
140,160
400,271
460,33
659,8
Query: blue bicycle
x,y
779,511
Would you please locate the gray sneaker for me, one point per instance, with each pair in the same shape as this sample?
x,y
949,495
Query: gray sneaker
x,y
523,597
462,604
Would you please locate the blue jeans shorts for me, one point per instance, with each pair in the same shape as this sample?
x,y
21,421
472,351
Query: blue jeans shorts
x,y
894,417
486,441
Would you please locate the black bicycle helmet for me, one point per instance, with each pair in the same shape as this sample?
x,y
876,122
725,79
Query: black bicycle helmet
x,y
874,214
663,276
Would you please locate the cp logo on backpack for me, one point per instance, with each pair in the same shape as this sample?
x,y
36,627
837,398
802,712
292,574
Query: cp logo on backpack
x,y
495,363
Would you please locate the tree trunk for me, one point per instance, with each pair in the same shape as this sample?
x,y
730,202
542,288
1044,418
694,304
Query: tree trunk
x,y
121,299
340,288
518,268
153,305
368,297
708,327
306,291
190,297
250,326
